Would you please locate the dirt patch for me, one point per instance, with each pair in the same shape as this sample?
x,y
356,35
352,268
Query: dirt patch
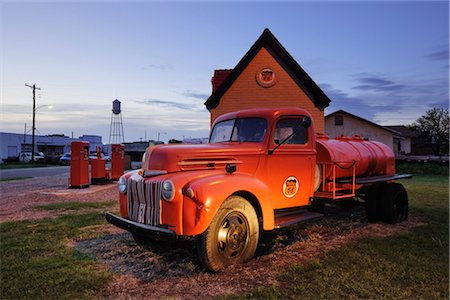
x,y
172,270
18,198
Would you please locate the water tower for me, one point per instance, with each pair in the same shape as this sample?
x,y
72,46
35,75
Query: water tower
x,y
116,127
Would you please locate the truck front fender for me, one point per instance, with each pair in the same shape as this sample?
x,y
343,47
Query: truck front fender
x,y
210,192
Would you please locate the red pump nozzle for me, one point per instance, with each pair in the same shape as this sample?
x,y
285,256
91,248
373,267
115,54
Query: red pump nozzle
x,y
99,152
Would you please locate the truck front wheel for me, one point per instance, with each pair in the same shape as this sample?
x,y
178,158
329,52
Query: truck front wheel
x,y
231,237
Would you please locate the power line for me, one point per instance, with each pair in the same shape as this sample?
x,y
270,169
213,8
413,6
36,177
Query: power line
x,y
34,116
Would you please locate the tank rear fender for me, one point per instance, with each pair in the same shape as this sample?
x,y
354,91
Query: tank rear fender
x,y
209,193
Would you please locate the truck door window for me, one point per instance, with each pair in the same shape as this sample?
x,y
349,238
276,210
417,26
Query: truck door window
x,y
239,130
292,128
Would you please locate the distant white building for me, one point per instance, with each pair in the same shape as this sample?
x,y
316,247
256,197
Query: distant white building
x,y
11,144
203,140
344,123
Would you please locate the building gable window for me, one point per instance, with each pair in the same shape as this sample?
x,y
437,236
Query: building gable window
x,y
338,120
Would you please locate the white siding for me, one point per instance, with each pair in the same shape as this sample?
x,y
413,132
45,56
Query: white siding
x,y
13,142
353,126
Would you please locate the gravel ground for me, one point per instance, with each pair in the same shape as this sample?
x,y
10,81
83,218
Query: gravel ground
x,y
18,197
162,270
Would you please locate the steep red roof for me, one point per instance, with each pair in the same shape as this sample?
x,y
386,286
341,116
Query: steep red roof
x,y
274,47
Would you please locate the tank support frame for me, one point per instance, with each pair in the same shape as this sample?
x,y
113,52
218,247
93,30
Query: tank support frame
x,y
344,188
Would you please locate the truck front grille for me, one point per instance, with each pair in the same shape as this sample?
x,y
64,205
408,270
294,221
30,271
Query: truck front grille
x,y
144,201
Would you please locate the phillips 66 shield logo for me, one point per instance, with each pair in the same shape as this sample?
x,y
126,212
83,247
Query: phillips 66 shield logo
x,y
290,187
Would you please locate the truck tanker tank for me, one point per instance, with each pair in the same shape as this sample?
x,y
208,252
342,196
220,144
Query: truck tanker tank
x,y
370,158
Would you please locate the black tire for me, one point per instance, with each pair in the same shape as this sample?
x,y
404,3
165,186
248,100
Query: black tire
x,y
231,237
394,207
347,205
372,202
139,239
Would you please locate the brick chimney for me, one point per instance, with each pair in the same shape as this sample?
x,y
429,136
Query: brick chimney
x,y
219,77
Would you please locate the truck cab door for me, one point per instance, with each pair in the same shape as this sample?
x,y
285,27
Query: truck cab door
x,y
290,168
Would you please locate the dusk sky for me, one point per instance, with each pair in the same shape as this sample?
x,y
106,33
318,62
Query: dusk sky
x,y
387,62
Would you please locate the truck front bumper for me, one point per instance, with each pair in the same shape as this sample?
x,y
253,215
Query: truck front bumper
x,y
152,232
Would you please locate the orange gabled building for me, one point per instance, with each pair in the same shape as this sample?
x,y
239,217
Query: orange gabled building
x,y
266,76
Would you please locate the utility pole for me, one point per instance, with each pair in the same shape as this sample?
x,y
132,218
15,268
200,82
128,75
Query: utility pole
x,y
34,117
24,135
159,134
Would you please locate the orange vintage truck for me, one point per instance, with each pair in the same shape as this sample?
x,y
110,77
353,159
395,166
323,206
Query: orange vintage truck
x,y
263,169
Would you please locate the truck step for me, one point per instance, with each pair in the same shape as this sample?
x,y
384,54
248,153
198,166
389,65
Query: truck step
x,y
290,219
338,195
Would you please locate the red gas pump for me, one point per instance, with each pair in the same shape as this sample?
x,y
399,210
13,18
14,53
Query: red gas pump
x,y
99,173
79,165
117,154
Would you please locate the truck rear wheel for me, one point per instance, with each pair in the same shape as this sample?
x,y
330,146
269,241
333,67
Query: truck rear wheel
x,y
394,204
231,237
372,202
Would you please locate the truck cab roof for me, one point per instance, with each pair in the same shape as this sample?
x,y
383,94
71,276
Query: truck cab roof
x,y
265,112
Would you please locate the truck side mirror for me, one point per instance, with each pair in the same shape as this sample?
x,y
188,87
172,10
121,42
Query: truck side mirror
x,y
306,122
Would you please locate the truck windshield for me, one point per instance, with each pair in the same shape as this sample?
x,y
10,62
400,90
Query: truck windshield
x,y
239,130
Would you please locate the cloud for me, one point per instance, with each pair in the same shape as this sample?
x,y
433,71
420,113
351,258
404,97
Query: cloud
x,y
375,81
192,94
378,84
339,95
443,103
354,104
172,117
438,55
389,88
384,101
158,67
147,117
157,102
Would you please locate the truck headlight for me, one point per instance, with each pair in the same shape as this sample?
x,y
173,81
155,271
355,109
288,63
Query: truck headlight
x,y
143,160
168,190
122,185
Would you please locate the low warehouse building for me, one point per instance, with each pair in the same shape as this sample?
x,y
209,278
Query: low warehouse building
x,y
344,123
53,146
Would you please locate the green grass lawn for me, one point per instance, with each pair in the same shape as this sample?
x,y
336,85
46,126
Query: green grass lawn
x,y
15,178
412,265
422,168
37,262
19,165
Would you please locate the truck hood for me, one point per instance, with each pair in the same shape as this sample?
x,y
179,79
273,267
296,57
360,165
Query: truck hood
x,y
175,158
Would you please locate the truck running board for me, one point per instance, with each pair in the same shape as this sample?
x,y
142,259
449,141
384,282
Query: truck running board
x,y
283,220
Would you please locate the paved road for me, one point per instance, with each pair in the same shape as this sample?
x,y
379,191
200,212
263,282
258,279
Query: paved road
x,y
35,172
46,171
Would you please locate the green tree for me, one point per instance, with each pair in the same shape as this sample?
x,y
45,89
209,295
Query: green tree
x,y
433,127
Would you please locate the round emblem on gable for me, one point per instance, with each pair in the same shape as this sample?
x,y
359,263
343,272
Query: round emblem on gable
x,y
290,187
266,77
